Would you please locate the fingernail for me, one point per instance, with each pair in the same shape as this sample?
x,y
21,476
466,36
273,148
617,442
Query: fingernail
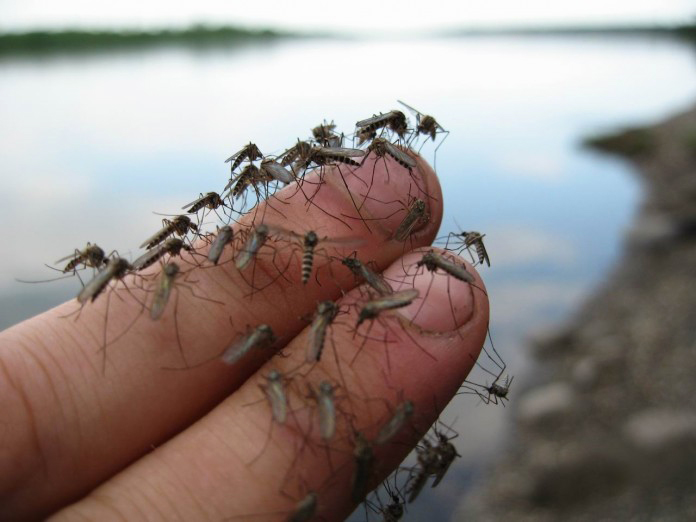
x,y
382,189
445,303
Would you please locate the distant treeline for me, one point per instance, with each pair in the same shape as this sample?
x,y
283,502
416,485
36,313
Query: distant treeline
x,y
81,40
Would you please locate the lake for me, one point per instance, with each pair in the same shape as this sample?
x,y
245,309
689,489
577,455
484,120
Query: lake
x,y
94,143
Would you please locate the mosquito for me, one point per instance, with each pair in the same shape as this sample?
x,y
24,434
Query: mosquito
x,y
471,239
91,255
394,120
394,510
116,268
224,237
259,338
326,136
250,175
382,147
210,200
171,246
270,168
297,154
417,214
257,238
250,152
164,286
403,412
373,308
324,316
362,271
163,290
446,453
179,225
326,404
433,261
428,459
426,125
497,393
309,242
364,466
322,156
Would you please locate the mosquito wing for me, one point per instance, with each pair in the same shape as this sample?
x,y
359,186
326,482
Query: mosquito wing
x,y
157,237
399,155
163,290
277,171
224,236
395,300
95,286
378,120
341,151
416,112
196,201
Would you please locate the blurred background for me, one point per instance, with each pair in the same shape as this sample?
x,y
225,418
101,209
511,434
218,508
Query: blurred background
x,y
109,112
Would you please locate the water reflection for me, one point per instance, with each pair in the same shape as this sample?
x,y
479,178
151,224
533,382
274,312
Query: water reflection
x,y
93,144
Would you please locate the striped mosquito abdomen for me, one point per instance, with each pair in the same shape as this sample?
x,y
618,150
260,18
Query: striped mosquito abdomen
x,y
250,152
211,200
91,255
394,120
310,242
171,246
475,239
179,225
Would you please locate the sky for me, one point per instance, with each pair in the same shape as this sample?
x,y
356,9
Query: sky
x,y
352,16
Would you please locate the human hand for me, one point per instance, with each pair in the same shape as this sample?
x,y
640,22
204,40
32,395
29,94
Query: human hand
x,y
137,441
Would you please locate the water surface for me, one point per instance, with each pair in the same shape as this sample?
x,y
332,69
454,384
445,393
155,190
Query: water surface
x,y
93,144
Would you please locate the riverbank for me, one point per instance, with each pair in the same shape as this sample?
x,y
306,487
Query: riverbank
x,y
610,434
80,40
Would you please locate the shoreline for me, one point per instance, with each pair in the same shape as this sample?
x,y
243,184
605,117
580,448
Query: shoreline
x,y
611,431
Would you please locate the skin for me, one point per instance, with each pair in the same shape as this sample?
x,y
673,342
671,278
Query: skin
x,y
88,436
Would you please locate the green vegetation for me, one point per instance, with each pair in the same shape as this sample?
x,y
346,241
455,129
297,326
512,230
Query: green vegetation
x,y
632,143
39,42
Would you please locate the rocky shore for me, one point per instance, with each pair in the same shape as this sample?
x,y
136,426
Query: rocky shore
x,y
611,432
